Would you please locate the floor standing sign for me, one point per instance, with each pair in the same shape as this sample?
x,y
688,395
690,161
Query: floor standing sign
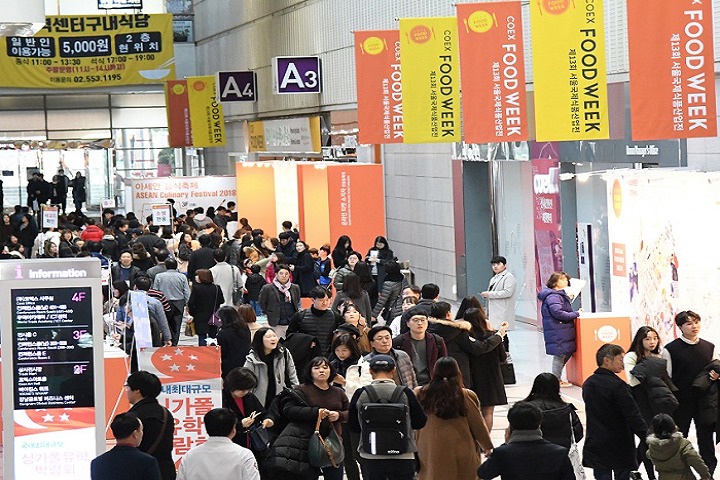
x,y
53,376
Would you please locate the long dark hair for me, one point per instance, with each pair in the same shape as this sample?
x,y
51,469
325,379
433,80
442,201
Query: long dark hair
x,y
347,340
257,342
352,286
231,319
545,387
340,245
637,343
362,270
467,302
444,395
478,320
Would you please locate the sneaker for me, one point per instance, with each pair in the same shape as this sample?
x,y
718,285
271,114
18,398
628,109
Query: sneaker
x,y
564,384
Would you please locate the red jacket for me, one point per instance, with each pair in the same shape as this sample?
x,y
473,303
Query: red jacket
x,y
92,233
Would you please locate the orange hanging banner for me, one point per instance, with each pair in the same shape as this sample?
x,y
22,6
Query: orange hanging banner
x,y
379,91
492,65
178,113
672,77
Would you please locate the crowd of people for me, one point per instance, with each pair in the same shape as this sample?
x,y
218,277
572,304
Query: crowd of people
x,y
370,342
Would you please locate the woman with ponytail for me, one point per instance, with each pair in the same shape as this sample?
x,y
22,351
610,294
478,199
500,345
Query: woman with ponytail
x,y
455,421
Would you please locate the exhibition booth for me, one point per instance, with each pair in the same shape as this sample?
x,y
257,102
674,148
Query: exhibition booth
x,y
325,199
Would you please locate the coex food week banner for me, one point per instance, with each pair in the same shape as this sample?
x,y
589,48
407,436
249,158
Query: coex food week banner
x,y
90,51
672,78
178,113
493,72
568,45
379,87
206,114
431,79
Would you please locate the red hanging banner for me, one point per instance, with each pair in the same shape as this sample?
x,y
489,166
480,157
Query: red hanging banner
x,y
492,66
672,77
379,91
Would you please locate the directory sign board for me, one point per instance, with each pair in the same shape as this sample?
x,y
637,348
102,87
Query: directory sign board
x,y
53,381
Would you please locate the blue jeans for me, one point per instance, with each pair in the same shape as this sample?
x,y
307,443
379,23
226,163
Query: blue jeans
x,y
255,305
607,474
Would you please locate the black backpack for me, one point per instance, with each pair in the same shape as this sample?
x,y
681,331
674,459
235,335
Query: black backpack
x,y
384,423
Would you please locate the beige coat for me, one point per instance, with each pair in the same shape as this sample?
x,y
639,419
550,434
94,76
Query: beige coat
x,y
448,448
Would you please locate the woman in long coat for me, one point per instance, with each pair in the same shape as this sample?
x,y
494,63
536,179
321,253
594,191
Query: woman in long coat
x,y
448,445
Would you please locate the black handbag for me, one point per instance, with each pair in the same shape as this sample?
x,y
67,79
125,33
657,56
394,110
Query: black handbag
x,y
507,368
259,437
325,452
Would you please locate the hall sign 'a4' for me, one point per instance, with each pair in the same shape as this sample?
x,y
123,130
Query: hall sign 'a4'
x,y
236,86
296,75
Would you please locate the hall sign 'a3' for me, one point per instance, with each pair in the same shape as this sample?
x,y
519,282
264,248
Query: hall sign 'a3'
x,y
296,75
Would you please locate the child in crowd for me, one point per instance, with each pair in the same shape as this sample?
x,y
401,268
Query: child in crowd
x,y
673,454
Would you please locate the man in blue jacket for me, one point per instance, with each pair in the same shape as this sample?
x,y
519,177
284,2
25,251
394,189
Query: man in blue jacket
x,y
125,461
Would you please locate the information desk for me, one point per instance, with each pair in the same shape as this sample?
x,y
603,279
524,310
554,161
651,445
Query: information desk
x,y
117,366
593,330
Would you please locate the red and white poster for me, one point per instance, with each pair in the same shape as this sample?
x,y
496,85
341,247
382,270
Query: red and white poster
x,y
672,69
191,387
188,192
379,91
547,219
178,113
492,65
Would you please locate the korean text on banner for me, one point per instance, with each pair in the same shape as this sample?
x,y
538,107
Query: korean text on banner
x,y
568,40
672,77
379,87
431,83
178,113
191,387
91,51
206,114
492,63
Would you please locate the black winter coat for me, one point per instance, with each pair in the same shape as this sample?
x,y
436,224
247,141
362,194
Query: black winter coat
x,y
612,419
251,404
557,424
708,403
150,412
460,345
319,324
656,393
289,453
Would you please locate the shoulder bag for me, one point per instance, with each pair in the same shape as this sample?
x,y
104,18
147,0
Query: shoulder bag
x,y
325,452
574,454
214,319
259,437
237,292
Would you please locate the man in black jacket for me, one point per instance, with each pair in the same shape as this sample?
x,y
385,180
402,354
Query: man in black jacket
x,y
318,320
612,418
525,453
203,257
142,389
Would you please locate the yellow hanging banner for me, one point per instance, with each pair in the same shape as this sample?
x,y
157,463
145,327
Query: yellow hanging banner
x,y
568,43
206,114
430,67
91,51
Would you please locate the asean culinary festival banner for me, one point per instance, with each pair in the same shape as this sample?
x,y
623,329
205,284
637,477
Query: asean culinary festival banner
x,y
492,63
568,39
90,51
379,87
206,114
431,79
672,78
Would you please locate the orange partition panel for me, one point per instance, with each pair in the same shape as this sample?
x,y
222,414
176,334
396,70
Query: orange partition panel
x,y
256,196
313,204
593,330
356,199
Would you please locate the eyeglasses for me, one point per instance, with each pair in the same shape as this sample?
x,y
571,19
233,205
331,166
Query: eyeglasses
x,y
419,319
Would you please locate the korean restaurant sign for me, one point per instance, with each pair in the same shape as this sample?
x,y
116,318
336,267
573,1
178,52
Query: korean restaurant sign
x,y
91,51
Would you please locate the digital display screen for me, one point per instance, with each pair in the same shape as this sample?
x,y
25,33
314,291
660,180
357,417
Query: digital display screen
x,y
53,347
